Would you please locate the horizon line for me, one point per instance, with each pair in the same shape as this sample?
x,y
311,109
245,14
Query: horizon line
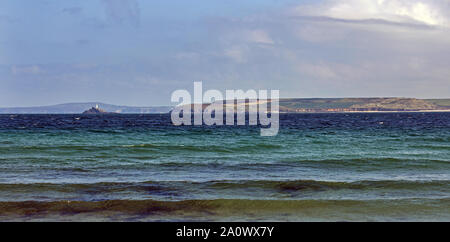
x,y
169,105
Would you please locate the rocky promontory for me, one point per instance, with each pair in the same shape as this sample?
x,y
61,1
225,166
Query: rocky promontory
x,y
96,110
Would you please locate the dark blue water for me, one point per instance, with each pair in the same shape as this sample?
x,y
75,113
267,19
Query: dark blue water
x,y
386,165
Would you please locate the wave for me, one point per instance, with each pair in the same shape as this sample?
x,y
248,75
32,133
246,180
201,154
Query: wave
x,y
300,185
208,147
238,209
151,159
280,186
369,161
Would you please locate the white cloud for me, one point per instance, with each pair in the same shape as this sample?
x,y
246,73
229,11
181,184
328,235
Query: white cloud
x,y
320,71
187,56
33,69
258,36
401,11
236,53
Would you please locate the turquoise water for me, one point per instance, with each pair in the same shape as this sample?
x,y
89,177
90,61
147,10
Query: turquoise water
x,y
360,166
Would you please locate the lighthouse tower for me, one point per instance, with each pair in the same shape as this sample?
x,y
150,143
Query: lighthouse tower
x,y
96,106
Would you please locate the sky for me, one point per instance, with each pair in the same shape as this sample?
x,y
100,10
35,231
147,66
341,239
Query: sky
x,y
137,52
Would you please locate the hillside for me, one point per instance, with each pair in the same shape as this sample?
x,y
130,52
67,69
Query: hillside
x,y
315,105
360,104
444,103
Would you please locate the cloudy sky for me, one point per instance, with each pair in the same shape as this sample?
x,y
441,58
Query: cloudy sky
x,y
137,52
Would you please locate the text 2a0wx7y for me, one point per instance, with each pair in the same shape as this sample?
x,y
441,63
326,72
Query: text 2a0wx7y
x,y
240,231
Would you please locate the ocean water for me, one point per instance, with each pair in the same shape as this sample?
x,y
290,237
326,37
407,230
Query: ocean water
x,y
320,167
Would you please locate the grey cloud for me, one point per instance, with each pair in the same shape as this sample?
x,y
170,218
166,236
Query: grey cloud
x,y
83,42
416,25
72,10
95,23
324,56
302,56
121,11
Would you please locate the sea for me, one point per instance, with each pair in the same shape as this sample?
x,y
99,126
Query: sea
x,y
132,167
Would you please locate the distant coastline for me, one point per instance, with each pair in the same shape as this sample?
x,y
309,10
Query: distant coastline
x,y
345,105
78,108
287,105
